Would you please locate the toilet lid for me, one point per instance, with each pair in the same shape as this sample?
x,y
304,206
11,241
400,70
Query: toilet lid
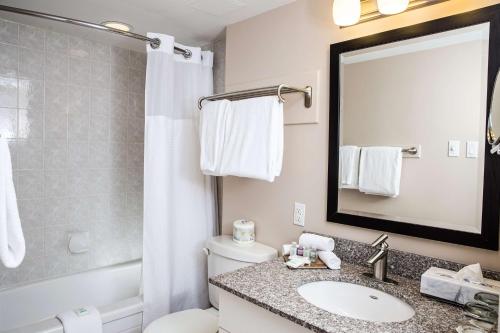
x,y
189,321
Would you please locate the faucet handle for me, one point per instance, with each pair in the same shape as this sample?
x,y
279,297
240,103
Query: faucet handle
x,y
380,240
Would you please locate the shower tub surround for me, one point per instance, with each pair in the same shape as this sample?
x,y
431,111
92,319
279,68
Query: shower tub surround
x,y
73,113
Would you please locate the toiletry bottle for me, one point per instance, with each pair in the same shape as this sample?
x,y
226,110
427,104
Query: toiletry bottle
x,y
313,255
293,250
300,251
307,252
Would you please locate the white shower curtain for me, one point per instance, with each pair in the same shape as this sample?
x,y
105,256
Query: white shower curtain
x,y
179,207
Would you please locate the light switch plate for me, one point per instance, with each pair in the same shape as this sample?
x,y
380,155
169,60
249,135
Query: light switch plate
x,y
472,149
453,148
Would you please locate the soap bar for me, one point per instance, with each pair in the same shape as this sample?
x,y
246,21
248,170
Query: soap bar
x,y
442,283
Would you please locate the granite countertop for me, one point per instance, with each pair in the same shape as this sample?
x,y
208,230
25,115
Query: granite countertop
x,y
272,286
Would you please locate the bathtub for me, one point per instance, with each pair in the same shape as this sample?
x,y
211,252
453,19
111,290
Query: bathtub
x,y
114,290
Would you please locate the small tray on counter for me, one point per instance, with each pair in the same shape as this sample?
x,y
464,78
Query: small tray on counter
x,y
314,265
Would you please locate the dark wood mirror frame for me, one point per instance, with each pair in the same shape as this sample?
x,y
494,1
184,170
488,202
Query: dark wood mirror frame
x,y
488,238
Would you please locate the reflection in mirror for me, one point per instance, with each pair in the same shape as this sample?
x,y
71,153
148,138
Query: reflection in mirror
x,y
494,119
428,93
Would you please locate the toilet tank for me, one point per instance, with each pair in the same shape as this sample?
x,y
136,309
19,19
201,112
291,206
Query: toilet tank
x,y
224,256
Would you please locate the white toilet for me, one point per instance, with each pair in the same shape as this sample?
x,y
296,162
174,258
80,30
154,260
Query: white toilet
x,y
224,256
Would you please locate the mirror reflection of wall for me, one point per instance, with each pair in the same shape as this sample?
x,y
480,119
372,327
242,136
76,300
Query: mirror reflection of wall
x,y
494,119
423,92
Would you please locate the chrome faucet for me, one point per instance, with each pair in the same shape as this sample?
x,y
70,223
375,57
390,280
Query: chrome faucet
x,y
378,260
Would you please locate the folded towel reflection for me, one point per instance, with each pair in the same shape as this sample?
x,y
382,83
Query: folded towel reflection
x,y
12,245
349,166
252,138
83,320
380,170
320,243
330,259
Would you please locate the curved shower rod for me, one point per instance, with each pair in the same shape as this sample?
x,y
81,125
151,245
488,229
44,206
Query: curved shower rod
x,y
154,42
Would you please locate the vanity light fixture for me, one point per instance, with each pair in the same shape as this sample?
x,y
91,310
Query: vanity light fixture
x,y
391,7
351,12
117,25
346,12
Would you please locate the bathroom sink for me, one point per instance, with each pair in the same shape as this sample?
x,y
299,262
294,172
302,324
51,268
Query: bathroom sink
x,y
355,301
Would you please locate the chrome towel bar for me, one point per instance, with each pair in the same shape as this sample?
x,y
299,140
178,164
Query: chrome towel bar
x,y
260,92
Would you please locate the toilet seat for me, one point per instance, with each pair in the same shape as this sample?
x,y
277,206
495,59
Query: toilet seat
x,y
188,321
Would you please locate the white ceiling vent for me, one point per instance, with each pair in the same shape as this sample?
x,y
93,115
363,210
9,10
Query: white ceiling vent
x,y
217,7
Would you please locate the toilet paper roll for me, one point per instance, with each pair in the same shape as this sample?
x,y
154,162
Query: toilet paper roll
x,y
243,232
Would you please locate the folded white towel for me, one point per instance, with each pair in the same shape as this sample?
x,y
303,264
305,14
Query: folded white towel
x,y
320,243
253,145
212,133
380,170
330,259
349,166
12,246
83,320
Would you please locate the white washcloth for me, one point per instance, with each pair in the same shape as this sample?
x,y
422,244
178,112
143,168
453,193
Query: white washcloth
x,y
380,170
330,259
349,166
12,246
212,133
83,320
253,145
320,243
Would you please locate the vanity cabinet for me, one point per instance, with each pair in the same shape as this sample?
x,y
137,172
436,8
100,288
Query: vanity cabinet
x,y
239,316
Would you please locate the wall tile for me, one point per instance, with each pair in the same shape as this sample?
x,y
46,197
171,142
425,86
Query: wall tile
x,y
8,60
56,125
8,123
99,127
55,154
118,104
119,56
56,98
55,183
135,157
14,153
31,63
119,78
30,212
100,181
8,92
31,37
80,182
79,47
9,32
136,105
100,52
137,80
56,42
30,154
118,128
30,184
118,155
138,60
78,154
55,211
135,129
100,77
31,93
80,71
56,67
30,124
100,102
135,180
98,154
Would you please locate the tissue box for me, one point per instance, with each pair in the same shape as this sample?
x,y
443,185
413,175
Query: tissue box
x,y
441,283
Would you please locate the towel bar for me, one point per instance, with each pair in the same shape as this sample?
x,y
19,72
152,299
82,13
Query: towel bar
x,y
259,92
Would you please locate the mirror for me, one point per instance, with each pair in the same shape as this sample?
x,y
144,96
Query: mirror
x,y
408,145
494,119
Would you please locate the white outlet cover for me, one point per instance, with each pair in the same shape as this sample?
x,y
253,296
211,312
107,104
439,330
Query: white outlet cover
x,y
453,148
472,149
299,214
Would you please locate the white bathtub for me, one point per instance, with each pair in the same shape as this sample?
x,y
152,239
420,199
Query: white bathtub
x,y
113,290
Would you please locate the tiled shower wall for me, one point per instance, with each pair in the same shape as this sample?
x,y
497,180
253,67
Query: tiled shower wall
x,y
73,112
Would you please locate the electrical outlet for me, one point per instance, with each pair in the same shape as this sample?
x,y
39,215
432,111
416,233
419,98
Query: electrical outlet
x,y
299,214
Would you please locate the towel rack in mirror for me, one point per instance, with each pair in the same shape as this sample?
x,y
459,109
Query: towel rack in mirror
x,y
260,92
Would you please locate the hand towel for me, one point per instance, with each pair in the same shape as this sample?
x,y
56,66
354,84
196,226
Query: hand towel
x,y
330,259
380,170
212,132
320,243
349,166
12,246
253,144
83,320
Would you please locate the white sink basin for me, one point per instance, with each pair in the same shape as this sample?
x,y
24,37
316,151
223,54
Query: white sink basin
x,y
355,301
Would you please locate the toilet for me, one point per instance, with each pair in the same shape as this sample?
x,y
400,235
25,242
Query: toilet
x,y
224,256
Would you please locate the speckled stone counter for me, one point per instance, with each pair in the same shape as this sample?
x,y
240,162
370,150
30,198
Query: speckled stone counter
x,y
273,286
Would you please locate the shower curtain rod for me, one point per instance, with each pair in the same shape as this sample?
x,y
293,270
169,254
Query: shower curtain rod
x,y
154,42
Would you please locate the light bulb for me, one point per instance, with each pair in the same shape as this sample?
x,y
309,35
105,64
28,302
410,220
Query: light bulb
x,y
391,7
346,12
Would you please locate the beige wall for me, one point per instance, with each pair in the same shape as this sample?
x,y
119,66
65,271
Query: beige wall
x,y
293,39
421,98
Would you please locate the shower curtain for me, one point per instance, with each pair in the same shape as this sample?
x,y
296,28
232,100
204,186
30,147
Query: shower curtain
x,y
179,203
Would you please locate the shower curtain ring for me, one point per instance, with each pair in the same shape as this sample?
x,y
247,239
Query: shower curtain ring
x,y
281,86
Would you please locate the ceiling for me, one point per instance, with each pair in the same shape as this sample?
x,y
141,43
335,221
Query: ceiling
x,y
192,22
